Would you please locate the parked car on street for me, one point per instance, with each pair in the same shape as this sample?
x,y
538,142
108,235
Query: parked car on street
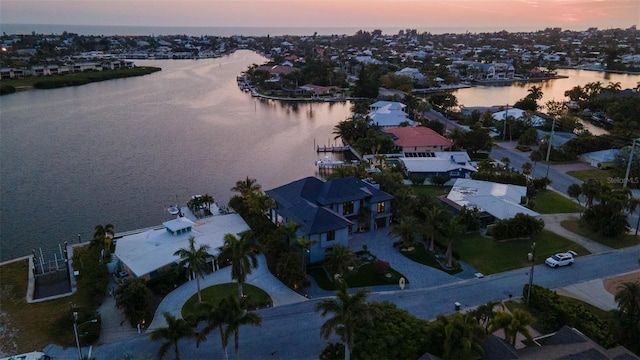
x,y
561,259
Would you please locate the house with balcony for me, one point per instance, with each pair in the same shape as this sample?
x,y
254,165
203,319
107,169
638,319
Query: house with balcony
x,y
330,211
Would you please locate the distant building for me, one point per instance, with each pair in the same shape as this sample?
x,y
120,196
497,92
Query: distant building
x,y
388,114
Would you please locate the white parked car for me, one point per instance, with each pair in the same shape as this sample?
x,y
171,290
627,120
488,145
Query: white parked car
x,y
561,259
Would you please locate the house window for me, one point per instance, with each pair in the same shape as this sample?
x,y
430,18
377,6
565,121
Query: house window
x,y
347,208
331,235
380,207
454,173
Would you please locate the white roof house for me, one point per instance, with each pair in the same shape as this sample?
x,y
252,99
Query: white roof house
x,y
502,201
389,114
143,253
600,159
518,114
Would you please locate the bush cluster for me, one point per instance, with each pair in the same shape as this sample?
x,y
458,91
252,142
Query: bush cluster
x,y
520,226
502,177
554,312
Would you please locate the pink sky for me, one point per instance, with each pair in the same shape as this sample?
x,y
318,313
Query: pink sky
x,y
492,14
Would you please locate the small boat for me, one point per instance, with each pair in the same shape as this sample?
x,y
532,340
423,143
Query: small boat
x,y
173,210
328,162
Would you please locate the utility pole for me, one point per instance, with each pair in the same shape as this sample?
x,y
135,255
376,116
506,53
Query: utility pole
x,y
504,127
532,258
553,127
626,175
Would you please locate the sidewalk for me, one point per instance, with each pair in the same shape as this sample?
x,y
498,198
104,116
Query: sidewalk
x,y
552,223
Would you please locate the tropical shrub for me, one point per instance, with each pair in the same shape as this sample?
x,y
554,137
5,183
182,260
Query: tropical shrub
x,y
520,226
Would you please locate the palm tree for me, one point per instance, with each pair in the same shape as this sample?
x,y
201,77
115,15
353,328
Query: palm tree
x,y
535,92
103,235
462,337
236,316
628,299
512,324
305,245
339,259
507,163
574,191
239,251
406,229
246,186
457,135
349,312
434,216
527,168
207,200
485,313
452,229
175,330
195,260
535,156
290,231
627,316
215,317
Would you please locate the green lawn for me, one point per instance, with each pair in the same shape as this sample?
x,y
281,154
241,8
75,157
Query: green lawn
x,y
619,242
362,276
550,202
432,190
423,256
598,174
489,256
256,297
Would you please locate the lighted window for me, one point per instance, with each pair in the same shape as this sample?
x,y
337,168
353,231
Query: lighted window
x,y
331,235
380,207
347,208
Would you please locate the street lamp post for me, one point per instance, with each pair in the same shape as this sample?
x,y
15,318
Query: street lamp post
x,y
553,127
75,331
532,258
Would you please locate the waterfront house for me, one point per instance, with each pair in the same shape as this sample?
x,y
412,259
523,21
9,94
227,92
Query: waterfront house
x,y
146,254
495,201
414,139
426,165
519,115
330,211
388,114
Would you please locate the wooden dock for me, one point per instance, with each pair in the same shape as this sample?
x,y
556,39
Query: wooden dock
x,y
332,148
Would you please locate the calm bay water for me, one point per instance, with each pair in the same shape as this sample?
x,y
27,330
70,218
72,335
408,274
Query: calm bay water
x,y
120,151
551,90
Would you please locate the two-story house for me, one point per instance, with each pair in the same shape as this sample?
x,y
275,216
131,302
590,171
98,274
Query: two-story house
x,y
330,211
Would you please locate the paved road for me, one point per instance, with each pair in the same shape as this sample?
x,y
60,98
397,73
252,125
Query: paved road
x,y
292,331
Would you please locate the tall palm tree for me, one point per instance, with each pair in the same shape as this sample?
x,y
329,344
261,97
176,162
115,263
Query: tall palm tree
x,y
239,251
175,330
349,312
462,337
526,168
433,221
290,231
406,229
457,135
237,315
246,186
512,324
535,156
305,245
628,299
339,259
215,317
485,313
195,260
452,229
103,235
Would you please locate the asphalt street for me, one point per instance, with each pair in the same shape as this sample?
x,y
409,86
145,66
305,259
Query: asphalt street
x,y
293,331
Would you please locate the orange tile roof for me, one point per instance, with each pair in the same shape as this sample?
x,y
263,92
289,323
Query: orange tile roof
x,y
417,136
